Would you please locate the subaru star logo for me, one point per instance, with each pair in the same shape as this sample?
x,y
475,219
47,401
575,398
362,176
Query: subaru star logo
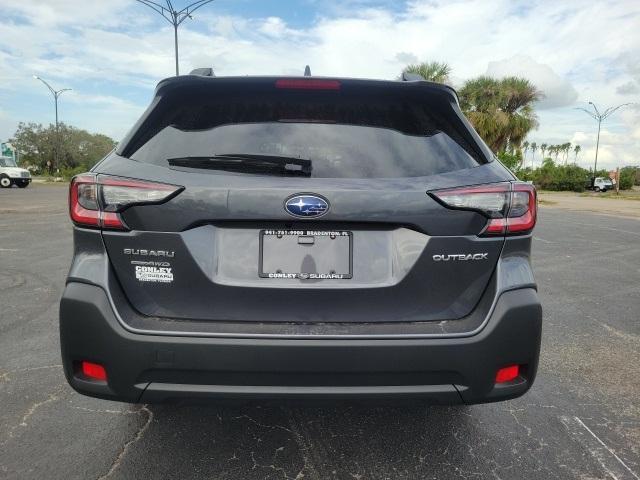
x,y
303,206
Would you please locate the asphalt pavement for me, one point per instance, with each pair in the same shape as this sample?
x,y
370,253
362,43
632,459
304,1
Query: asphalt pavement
x,y
580,420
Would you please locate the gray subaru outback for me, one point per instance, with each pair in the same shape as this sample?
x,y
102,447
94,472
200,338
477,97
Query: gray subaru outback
x,y
301,237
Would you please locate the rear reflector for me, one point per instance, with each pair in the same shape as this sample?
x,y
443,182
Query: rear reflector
x,y
307,84
507,374
94,371
96,200
510,207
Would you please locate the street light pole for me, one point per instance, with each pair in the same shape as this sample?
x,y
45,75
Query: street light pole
x,y
595,164
599,117
174,17
175,39
56,94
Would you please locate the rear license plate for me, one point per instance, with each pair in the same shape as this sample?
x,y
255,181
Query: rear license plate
x,y
306,254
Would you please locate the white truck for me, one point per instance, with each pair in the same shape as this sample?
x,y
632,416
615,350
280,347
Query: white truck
x,y
11,174
600,184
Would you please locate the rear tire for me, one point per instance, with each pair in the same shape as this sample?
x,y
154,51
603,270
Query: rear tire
x,y
5,181
597,189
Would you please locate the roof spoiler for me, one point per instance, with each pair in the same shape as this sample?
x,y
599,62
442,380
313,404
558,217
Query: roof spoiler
x,y
412,77
203,72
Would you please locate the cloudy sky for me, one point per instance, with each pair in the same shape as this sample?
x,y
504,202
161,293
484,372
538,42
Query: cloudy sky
x,y
113,52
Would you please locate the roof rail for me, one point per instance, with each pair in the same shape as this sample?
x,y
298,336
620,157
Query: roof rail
x,y
307,71
205,72
411,77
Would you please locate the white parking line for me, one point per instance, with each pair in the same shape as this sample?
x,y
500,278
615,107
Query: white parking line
x,y
602,227
606,457
542,239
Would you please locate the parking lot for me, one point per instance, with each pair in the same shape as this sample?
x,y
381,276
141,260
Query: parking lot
x,y
581,419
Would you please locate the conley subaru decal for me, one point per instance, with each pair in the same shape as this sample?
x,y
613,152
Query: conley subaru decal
x,y
306,205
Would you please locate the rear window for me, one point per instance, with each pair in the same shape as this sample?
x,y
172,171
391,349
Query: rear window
x,y
343,136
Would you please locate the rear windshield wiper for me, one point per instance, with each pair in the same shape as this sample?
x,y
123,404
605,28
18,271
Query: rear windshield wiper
x,y
247,163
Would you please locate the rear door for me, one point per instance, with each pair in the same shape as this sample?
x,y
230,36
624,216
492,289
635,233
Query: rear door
x,y
304,202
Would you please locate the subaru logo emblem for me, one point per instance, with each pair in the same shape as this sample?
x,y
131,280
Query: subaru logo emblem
x,y
303,206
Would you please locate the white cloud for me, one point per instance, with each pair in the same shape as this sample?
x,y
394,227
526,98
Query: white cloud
x,y
102,47
558,92
629,88
59,13
101,113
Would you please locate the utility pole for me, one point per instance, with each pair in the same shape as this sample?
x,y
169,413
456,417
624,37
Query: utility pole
x,y
56,94
600,117
174,17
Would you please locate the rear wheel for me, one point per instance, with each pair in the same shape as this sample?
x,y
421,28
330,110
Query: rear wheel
x,y
5,181
597,189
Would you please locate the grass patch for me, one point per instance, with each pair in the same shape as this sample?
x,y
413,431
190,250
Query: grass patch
x,y
624,195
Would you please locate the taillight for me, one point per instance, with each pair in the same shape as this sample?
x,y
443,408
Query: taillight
x,y
83,201
510,207
523,210
97,200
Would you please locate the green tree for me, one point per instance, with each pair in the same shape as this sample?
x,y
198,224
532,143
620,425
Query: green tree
x,y
525,149
534,147
510,160
566,147
543,149
77,148
627,177
576,151
551,176
432,71
500,110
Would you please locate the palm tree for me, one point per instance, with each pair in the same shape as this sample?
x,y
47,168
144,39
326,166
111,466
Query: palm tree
x,y
543,148
500,110
564,149
534,147
431,71
556,151
576,150
525,148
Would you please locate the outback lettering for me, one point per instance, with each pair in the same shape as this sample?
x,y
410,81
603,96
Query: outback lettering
x,y
461,257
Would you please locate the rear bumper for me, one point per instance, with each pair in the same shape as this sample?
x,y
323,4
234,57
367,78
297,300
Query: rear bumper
x,y
154,368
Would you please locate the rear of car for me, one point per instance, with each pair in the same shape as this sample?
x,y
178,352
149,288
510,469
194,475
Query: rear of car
x,y
301,237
